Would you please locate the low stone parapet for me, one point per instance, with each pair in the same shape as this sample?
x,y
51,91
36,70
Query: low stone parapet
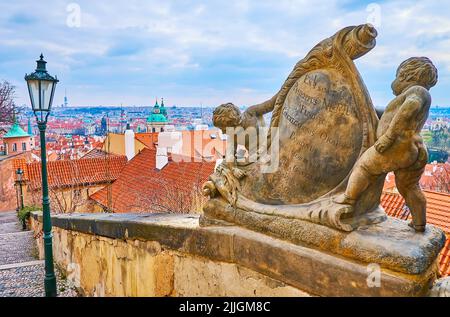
x,y
171,255
151,255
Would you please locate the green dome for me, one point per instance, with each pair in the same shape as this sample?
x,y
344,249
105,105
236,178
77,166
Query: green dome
x,y
16,132
157,117
159,113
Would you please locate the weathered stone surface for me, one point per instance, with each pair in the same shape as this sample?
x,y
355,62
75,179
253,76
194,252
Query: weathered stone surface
x,y
101,266
325,121
117,266
202,277
305,268
399,147
391,244
333,153
320,140
331,161
441,288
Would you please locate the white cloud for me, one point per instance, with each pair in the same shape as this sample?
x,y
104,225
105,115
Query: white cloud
x,y
177,41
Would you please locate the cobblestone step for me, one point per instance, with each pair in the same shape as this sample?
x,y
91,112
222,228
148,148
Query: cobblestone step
x,y
9,216
28,281
21,274
16,265
17,247
9,227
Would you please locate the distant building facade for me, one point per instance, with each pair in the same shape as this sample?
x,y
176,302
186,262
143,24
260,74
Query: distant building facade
x,y
70,182
17,141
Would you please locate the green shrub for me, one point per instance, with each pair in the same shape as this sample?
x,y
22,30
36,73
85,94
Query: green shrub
x,y
25,212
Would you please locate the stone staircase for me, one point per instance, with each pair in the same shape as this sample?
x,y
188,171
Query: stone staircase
x,y
21,273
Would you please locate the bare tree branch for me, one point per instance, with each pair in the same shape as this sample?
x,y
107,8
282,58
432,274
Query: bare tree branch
x,y
7,106
165,196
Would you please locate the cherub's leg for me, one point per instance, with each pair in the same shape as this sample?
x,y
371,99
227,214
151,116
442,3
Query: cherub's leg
x,y
407,182
359,181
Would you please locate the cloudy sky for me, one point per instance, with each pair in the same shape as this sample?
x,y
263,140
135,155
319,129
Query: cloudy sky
x,y
207,52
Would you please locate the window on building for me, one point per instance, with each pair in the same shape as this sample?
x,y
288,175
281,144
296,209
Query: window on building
x,y
77,194
24,146
14,147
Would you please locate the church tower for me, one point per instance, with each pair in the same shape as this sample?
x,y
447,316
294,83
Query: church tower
x,y
158,118
30,129
163,109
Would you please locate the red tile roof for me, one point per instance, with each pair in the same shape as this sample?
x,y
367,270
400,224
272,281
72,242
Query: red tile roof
x,y
196,144
394,205
444,259
97,153
436,177
143,188
438,208
148,139
200,144
65,173
438,214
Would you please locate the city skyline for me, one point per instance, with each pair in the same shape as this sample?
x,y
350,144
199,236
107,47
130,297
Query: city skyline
x,y
206,53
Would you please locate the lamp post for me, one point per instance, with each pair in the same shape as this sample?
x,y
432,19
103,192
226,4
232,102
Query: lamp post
x,y
41,87
17,197
19,174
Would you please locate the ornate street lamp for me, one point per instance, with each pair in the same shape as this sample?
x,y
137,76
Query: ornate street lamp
x,y
41,87
19,173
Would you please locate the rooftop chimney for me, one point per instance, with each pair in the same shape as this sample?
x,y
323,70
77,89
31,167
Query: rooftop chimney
x,y
161,157
129,143
172,141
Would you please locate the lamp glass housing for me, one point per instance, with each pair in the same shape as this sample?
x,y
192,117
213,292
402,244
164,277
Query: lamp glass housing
x,y
41,88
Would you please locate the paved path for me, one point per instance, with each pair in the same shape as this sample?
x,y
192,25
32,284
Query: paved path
x,y
21,273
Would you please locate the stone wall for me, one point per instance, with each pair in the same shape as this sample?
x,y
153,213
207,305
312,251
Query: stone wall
x,y
8,194
171,255
105,266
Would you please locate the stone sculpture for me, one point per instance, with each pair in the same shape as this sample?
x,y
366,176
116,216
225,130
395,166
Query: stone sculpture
x,y
332,154
399,146
325,121
229,116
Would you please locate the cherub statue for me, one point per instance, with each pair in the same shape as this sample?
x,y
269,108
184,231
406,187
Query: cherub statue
x,y
399,146
229,116
228,174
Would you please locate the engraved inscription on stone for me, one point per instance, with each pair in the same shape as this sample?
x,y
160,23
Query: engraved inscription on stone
x,y
320,137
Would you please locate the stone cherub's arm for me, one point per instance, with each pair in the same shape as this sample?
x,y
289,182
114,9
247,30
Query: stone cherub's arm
x,y
262,108
402,121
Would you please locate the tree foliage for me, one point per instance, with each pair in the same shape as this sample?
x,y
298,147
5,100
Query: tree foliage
x,y
438,138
